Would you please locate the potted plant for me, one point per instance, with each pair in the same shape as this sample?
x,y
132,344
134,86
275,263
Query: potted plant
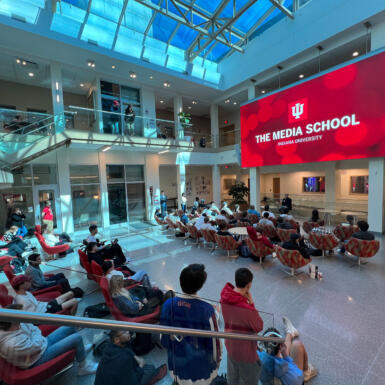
x,y
239,191
184,119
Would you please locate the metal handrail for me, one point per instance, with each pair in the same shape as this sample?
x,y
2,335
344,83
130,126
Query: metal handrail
x,y
19,316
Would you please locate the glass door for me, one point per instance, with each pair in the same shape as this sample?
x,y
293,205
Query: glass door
x,y
49,193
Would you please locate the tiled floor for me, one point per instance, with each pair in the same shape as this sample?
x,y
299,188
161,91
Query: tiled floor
x,y
340,319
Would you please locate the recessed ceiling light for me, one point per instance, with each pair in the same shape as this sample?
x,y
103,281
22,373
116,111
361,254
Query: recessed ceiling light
x,y
189,107
301,76
113,67
194,102
355,53
31,74
163,152
132,75
91,64
235,103
227,101
81,84
18,61
151,77
24,63
161,101
166,84
263,92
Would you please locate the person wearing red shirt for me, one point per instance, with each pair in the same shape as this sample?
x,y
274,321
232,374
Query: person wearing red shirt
x,y
47,216
240,316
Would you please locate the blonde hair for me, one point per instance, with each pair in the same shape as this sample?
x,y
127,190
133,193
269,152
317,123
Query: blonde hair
x,y
13,229
117,287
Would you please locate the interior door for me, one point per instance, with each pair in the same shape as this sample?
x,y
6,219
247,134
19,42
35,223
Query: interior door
x,y
45,193
276,188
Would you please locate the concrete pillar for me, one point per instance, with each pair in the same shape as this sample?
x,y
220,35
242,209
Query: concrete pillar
x,y
214,123
180,181
148,113
151,178
376,194
103,190
65,196
178,107
57,96
255,187
216,182
330,186
251,92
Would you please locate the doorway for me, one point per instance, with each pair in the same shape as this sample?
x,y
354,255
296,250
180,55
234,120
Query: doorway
x,y
43,193
276,188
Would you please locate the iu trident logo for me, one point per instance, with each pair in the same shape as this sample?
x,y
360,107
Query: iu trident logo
x,y
297,110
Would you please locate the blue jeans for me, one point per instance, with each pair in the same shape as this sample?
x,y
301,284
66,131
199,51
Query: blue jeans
x,y
183,207
60,341
141,276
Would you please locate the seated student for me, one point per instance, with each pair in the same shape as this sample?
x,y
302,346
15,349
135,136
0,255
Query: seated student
x,y
52,239
135,302
252,210
232,220
113,251
349,220
183,217
118,359
39,281
16,246
200,221
363,233
267,210
237,209
315,217
22,283
191,360
226,208
222,230
24,346
214,209
159,214
207,225
17,219
222,216
265,220
196,203
140,276
244,218
202,204
297,243
284,223
286,361
285,214
257,236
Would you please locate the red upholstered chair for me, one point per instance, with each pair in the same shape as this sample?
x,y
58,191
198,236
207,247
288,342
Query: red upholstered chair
x,y
344,233
253,218
4,260
12,375
118,315
44,295
323,241
227,243
209,237
309,226
97,271
294,224
171,224
194,233
83,258
284,235
182,228
258,248
269,231
49,250
292,259
242,224
362,248
159,221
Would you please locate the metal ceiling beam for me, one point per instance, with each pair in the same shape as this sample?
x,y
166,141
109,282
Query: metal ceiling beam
x,y
119,23
226,25
282,8
190,24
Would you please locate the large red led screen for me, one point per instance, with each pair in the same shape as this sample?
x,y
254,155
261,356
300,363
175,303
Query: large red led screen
x,y
339,115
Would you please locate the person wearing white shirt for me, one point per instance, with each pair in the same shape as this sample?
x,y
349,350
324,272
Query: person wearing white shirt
x,y
207,225
226,209
267,210
184,202
200,221
222,216
213,207
265,220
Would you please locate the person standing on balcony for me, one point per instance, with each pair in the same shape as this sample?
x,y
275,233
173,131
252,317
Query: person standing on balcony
x,y
184,202
129,118
163,203
47,216
115,117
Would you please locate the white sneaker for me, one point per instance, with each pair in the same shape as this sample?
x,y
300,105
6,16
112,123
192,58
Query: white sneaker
x,y
89,368
311,372
289,327
88,348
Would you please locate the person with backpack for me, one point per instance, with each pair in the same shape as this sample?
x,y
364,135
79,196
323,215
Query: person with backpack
x,y
120,366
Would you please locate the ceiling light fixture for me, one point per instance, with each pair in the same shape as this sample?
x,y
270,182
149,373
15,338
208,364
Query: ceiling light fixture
x,y
24,63
106,148
132,75
235,103
81,84
166,85
163,152
161,101
301,76
194,102
31,74
227,101
263,92
113,67
91,64
18,61
189,107
355,53
151,77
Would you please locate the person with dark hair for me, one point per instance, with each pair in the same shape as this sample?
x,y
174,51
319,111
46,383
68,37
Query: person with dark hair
x,y
39,281
245,218
267,210
24,346
287,202
200,221
363,233
207,225
286,361
222,230
314,216
47,215
196,202
285,214
120,366
191,360
297,243
265,220
52,239
158,213
240,316
253,211
222,216
350,220
129,119
283,223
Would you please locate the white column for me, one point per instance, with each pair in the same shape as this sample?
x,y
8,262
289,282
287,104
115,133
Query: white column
x,y
330,186
216,182
376,194
178,107
148,113
214,124
57,96
151,175
181,181
255,187
98,105
65,198
103,190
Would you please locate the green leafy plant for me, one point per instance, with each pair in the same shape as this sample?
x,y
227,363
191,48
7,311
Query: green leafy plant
x,y
184,119
239,191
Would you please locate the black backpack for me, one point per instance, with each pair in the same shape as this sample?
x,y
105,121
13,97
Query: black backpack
x,y
219,380
99,310
142,344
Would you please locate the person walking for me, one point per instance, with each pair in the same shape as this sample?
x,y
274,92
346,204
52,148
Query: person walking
x,y
47,215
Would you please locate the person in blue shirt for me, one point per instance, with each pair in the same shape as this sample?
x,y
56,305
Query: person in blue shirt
x,y
163,203
286,361
183,217
252,210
